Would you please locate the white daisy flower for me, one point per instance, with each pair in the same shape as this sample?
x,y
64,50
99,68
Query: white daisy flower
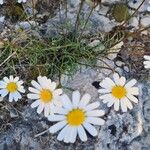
x,y
45,94
119,93
13,87
75,117
147,62
1,2
22,1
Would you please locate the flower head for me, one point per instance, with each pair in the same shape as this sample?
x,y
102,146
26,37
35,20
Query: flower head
x,y
75,117
45,94
147,62
13,87
119,93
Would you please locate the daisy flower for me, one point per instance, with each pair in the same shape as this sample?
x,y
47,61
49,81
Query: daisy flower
x,y
1,2
75,117
45,94
13,87
147,62
119,93
22,1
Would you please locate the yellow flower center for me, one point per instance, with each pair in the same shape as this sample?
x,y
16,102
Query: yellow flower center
x,y
76,117
12,87
46,95
119,92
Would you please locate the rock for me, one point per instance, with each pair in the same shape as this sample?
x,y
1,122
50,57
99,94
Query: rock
x,y
1,46
102,23
102,10
114,50
26,25
73,3
2,18
134,22
94,43
120,63
145,21
126,69
137,4
110,1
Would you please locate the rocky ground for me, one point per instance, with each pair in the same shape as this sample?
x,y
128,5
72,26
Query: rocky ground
x,y
20,125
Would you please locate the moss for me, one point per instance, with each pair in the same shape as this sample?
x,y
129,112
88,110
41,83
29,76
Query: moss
x,y
120,12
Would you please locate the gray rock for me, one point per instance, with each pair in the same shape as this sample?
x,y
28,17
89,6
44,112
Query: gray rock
x,y
145,21
26,25
137,4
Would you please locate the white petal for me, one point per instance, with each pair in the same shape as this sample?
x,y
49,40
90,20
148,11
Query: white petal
x,y
147,66
116,77
84,100
133,91
33,96
58,126
42,81
131,83
146,57
146,62
132,98
51,108
40,108
57,92
3,84
91,129
73,135
6,79
11,97
17,96
123,105
21,89
128,103
35,104
57,101
16,79
66,102
3,92
111,102
54,118
95,120
95,113
33,90
62,133
53,86
92,106
36,85
103,91
46,110
107,83
48,83
75,98
105,96
116,105
62,111
122,81
108,98
19,82
68,136
11,78
82,134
